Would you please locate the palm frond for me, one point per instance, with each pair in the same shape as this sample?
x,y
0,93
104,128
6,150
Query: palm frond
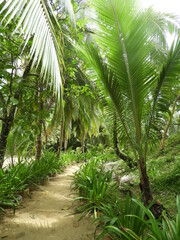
x,y
112,86
38,21
126,42
167,77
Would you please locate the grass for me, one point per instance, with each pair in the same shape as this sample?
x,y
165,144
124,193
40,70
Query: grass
x,y
127,218
118,216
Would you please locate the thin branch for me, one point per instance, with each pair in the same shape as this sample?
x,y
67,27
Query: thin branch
x,y
11,80
169,122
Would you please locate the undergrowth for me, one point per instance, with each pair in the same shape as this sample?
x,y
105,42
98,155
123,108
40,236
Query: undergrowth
x,y
129,219
95,187
77,157
15,179
164,172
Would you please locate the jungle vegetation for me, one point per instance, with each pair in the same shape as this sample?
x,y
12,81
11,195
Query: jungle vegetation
x,y
81,77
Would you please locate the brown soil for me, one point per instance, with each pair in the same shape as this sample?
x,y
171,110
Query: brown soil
x,y
48,214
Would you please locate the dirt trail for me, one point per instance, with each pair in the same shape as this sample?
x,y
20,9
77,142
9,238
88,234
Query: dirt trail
x,y
48,215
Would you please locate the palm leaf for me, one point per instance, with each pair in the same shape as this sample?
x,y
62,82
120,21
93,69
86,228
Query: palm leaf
x,y
168,76
37,20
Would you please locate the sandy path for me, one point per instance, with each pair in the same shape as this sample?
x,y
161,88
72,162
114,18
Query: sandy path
x,y
48,215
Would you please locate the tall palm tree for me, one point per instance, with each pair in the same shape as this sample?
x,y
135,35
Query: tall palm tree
x,y
133,62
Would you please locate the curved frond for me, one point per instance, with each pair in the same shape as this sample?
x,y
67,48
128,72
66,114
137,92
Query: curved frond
x,y
37,21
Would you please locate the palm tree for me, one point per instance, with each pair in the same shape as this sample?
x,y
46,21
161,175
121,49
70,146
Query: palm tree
x,y
133,62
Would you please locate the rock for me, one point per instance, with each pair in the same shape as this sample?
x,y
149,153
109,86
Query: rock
x,y
110,166
125,179
65,208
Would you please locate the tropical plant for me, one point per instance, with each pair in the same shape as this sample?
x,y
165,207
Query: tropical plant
x,y
132,220
15,179
95,186
11,81
166,229
118,220
133,62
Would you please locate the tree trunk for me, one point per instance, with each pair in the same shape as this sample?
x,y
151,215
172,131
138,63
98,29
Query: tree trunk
x,y
157,208
169,122
121,155
60,136
82,141
144,183
40,122
65,142
6,127
45,133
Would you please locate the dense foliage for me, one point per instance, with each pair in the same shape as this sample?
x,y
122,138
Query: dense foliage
x,y
14,180
82,81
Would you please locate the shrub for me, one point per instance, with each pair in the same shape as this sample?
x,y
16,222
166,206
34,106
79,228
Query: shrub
x,y
166,229
134,221
117,220
94,186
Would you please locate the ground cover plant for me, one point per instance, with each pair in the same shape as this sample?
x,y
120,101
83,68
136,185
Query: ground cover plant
x,y
132,220
72,156
116,216
15,179
94,186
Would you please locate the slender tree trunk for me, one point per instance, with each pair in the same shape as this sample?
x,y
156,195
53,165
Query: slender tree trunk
x,y
5,130
82,141
65,142
39,144
169,122
60,137
40,122
144,183
121,155
6,127
45,133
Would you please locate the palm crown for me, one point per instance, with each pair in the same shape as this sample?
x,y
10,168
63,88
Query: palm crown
x,y
133,63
